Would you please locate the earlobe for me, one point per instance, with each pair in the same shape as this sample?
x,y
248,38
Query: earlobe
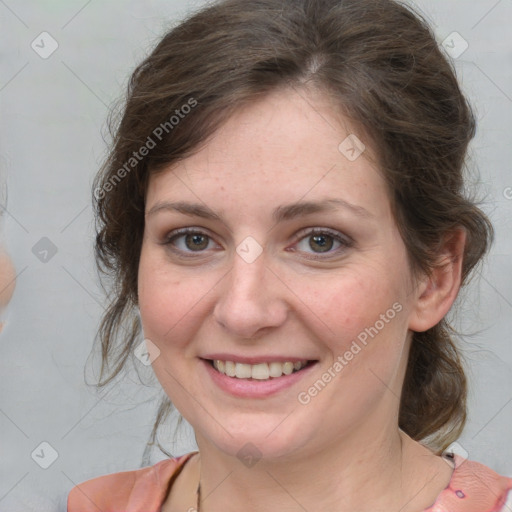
x,y
437,292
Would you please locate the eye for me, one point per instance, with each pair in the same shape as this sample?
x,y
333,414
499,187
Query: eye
x,y
187,241
191,241
321,241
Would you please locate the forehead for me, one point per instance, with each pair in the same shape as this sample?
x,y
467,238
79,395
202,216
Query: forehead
x,y
291,145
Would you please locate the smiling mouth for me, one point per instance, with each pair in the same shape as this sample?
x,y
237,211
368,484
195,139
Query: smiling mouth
x,y
260,371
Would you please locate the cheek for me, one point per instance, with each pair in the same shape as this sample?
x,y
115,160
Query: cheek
x,y
353,303
169,304
363,319
365,340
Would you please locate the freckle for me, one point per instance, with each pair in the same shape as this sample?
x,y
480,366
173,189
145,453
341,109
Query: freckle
x,y
460,494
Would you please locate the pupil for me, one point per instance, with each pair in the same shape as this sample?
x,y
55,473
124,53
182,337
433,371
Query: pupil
x,y
196,241
320,240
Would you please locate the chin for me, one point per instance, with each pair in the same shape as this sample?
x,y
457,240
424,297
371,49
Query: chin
x,y
253,440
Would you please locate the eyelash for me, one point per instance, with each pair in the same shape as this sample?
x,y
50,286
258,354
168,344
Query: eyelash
x,y
345,241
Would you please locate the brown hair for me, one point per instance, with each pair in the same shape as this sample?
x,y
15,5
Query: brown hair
x,y
380,62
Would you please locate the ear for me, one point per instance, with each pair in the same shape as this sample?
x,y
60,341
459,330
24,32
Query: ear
x,y
436,293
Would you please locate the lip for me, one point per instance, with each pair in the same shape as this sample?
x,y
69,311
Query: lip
x,y
249,388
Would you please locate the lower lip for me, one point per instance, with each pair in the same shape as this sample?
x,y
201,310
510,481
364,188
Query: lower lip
x,y
252,388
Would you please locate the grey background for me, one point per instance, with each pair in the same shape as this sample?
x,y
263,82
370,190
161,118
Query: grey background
x,y
53,114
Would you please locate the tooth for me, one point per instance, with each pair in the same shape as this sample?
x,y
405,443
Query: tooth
x,y
243,371
287,368
260,371
230,368
275,369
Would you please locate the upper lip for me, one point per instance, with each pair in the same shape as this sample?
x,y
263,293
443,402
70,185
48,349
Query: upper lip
x,y
256,359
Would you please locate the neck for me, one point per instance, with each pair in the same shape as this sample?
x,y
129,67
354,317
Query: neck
x,y
352,475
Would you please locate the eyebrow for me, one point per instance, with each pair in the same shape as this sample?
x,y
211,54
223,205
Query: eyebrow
x,y
281,213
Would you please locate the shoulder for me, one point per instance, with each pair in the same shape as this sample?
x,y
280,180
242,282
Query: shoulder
x,y
130,491
474,487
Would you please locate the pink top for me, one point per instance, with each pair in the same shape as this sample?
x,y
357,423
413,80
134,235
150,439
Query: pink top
x,y
473,487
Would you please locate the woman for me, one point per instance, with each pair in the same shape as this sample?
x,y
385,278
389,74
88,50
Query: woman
x,y
283,207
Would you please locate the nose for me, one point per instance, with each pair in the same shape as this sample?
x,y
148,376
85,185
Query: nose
x,y
251,299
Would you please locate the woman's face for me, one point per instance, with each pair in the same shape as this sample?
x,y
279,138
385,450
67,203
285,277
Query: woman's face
x,y
293,256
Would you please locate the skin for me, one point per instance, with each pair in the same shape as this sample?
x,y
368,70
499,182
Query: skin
x,y
343,451
7,281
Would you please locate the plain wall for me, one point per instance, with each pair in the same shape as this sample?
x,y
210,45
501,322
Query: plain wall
x,y
53,114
